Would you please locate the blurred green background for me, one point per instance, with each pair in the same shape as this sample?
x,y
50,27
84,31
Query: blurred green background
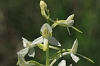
x,y
22,18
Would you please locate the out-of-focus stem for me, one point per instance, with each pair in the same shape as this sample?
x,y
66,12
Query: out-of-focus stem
x,y
47,56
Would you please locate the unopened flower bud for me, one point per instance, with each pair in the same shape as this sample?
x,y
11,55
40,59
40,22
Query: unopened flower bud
x,y
43,5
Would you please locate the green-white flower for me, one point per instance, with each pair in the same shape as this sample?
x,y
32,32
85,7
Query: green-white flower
x,y
46,37
73,53
66,23
28,48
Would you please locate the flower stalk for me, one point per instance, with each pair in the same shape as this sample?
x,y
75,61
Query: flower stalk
x,y
43,42
47,55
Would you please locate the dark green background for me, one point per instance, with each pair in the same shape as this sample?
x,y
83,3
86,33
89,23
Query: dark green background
x,y
22,18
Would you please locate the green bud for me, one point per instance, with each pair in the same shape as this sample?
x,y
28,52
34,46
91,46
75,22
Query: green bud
x,y
43,5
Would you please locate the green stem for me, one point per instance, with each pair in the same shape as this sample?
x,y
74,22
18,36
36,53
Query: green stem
x,y
32,62
55,60
52,47
47,56
51,20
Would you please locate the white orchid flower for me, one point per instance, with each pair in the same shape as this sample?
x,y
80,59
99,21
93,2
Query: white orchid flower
x,y
29,48
74,50
46,37
73,53
66,23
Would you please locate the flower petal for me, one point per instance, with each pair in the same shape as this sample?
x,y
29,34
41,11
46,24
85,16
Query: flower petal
x,y
74,47
62,63
70,65
25,42
21,60
70,17
45,44
38,40
53,41
31,52
46,26
74,57
68,31
70,23
23,52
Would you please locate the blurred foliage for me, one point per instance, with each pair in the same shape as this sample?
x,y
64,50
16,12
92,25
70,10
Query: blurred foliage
x,y
22,18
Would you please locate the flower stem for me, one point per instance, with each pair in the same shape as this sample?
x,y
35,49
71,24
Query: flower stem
x,y
47,55
51,20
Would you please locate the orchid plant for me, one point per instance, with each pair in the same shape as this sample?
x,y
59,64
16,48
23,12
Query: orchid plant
x,y
46,41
